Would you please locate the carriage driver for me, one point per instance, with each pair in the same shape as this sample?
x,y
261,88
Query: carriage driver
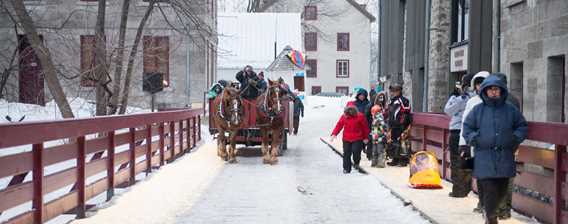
x,y
250,83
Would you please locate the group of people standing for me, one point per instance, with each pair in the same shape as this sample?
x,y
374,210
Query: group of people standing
x,y
486,129
377,125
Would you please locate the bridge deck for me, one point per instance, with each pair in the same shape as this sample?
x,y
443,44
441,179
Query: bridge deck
x,y
436,205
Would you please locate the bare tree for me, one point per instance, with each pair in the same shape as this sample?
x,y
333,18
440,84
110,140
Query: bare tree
x,y
132,57
8,69
101,72
119,57
324,12
44,57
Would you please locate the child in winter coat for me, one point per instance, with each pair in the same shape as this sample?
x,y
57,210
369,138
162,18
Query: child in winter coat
x,y
379,137
355,136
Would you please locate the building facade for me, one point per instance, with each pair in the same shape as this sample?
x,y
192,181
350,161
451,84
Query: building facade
x,y
525,39
255,39
184,52
337,42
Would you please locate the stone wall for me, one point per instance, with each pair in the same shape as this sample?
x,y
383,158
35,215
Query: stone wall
x,y
439,55
534,51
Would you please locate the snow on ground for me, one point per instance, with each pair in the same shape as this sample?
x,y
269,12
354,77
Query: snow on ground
x,y
32,112
307,186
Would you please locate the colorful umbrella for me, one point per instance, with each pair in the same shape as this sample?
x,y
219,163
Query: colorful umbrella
x,y
297,58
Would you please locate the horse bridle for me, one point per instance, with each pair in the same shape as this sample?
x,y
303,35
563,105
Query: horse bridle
x,y
271,113
234,110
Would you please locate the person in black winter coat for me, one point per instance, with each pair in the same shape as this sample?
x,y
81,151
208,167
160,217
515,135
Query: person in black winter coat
x,y
298,111
250,88
495,129
400,122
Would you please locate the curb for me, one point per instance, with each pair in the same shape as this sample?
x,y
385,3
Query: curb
x,y
397,195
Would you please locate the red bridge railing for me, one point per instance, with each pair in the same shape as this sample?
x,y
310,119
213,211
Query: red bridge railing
x,y
89,156
540,187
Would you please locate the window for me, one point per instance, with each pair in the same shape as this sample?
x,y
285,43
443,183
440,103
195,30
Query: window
x,y
157,56
556,91
87,60
516,85
311,41
310,12
342,68
342,41
312,68
342,89
460,20
316,90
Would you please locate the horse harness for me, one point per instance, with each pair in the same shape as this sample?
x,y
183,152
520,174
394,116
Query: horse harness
x,y
264,108
234,109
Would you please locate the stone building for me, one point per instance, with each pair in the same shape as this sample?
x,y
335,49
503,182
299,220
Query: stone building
x,y
525,39
337,42
532,52
181,46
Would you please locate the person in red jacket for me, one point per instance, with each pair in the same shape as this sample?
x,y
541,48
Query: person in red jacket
x,y
355,136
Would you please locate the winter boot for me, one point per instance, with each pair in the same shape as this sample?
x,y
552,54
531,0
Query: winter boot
x,y
394,162
374,162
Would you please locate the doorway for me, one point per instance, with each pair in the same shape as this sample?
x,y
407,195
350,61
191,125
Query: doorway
x,y
31,80
556,92
299,83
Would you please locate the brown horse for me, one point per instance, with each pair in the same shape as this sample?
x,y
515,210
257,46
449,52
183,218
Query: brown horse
x,y
270,120
228,116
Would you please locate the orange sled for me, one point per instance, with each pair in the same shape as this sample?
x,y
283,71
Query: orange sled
x,y
424,171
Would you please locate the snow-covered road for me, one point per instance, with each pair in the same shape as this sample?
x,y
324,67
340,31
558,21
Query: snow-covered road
x,y
307,186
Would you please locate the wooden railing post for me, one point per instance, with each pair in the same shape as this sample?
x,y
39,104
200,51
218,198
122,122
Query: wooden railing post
x,y
110,166
188,134
444,152
181,149
162,143
172,140
149,149
132,156
424,138
194,132
559,178
37,203
199,127
81,177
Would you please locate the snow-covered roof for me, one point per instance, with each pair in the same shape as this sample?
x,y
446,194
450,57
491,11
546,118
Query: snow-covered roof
x,y
282,62
248,38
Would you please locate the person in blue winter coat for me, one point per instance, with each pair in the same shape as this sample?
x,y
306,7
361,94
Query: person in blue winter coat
x,y
363,106
495,129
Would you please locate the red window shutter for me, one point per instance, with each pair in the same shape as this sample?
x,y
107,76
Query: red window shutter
x,y
163,59
311,41
149,55
343,42
316,90
157,56
87,60
310,12
312,71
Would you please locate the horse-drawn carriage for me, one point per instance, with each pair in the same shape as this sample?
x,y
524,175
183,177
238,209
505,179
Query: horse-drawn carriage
x,y
265,119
